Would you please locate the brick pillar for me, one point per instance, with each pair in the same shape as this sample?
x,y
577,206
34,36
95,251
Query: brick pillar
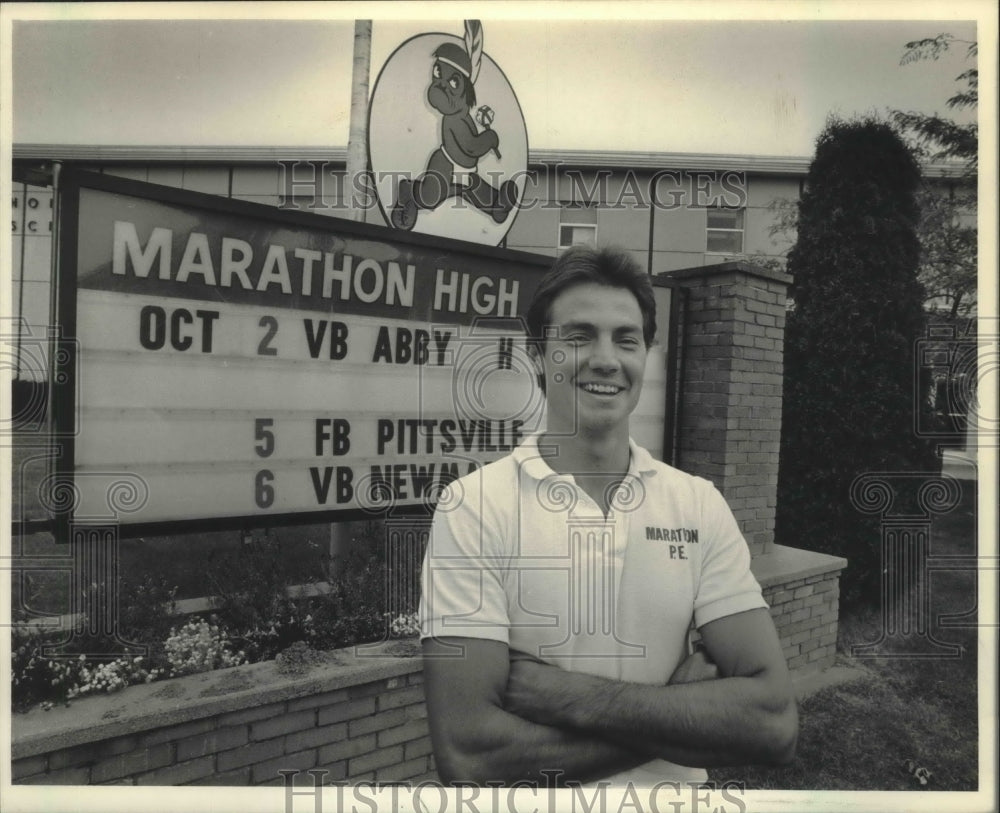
x,y
730,421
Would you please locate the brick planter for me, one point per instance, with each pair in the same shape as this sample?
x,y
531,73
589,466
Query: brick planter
x,y
803,589
359,717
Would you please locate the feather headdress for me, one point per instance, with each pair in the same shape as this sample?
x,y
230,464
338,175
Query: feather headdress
x,y
474,46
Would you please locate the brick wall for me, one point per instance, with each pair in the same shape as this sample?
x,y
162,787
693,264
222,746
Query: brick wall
x,y
730,411
805,614
803,591
372,731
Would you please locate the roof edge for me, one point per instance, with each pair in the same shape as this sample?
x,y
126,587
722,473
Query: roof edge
x,y
214,154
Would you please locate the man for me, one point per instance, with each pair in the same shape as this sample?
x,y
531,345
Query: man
x,y
561,582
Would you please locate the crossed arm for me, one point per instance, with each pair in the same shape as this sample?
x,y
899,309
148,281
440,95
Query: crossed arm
x,y
494,717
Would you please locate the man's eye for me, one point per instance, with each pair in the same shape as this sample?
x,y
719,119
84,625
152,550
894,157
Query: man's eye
x,y
437,72
453,82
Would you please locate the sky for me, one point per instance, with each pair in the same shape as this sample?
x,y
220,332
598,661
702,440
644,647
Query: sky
x,y
646,83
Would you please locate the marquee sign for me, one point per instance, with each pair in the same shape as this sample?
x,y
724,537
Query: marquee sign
x,y
240,365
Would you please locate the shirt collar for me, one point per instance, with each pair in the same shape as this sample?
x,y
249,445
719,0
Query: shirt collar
x,y
531,462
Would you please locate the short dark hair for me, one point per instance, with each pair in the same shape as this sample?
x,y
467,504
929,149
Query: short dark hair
x,y
608,266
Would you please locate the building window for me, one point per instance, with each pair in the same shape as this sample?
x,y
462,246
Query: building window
x,y
577,225
724,234
571,234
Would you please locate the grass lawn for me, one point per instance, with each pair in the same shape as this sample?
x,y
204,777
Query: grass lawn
x,y
857,735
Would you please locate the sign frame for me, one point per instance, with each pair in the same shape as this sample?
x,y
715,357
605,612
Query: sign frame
x,y
65,289
64,380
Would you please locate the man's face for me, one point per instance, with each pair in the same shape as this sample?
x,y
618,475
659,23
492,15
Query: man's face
x,y
447,89
594,365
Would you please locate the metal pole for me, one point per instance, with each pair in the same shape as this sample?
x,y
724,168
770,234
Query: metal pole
x,y
357,165
357,143
21,321
53,337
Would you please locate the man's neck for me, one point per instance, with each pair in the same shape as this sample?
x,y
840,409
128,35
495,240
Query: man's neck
x,y
594,453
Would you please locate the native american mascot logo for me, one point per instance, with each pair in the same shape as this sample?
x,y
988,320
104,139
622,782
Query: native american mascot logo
x,y
443,163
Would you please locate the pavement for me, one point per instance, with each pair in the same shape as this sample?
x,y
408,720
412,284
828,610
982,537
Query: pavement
x,y
959,463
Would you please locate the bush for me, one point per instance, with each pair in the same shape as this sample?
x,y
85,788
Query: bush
x,y
256,619
251,591
353,610
850,404
249,584
111,676
199,646
36,678
404,626
147,613
145,616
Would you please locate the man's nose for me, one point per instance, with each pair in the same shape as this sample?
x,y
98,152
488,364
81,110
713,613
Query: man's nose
x,y
603,356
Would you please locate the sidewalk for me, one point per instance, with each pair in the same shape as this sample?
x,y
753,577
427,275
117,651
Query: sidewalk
x,y
959,464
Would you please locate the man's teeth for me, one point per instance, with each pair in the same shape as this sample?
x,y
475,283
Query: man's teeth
x,y
603,389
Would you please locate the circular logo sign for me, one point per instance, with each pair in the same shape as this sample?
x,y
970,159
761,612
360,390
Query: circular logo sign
x,y
447,143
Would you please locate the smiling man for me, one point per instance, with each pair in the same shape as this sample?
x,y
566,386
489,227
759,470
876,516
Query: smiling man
x,y
561,583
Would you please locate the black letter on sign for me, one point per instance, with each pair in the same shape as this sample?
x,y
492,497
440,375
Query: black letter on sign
x,y
321,486
314,336
178,316
264,491
341,436
152,327
345,491
264,348
207,317
263,433
505,353
338,340
383,348
403,341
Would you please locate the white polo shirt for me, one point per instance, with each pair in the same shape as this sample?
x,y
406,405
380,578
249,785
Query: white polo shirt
x,y
523,555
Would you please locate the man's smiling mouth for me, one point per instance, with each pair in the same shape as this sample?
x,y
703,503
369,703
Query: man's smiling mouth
x,y
601,389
